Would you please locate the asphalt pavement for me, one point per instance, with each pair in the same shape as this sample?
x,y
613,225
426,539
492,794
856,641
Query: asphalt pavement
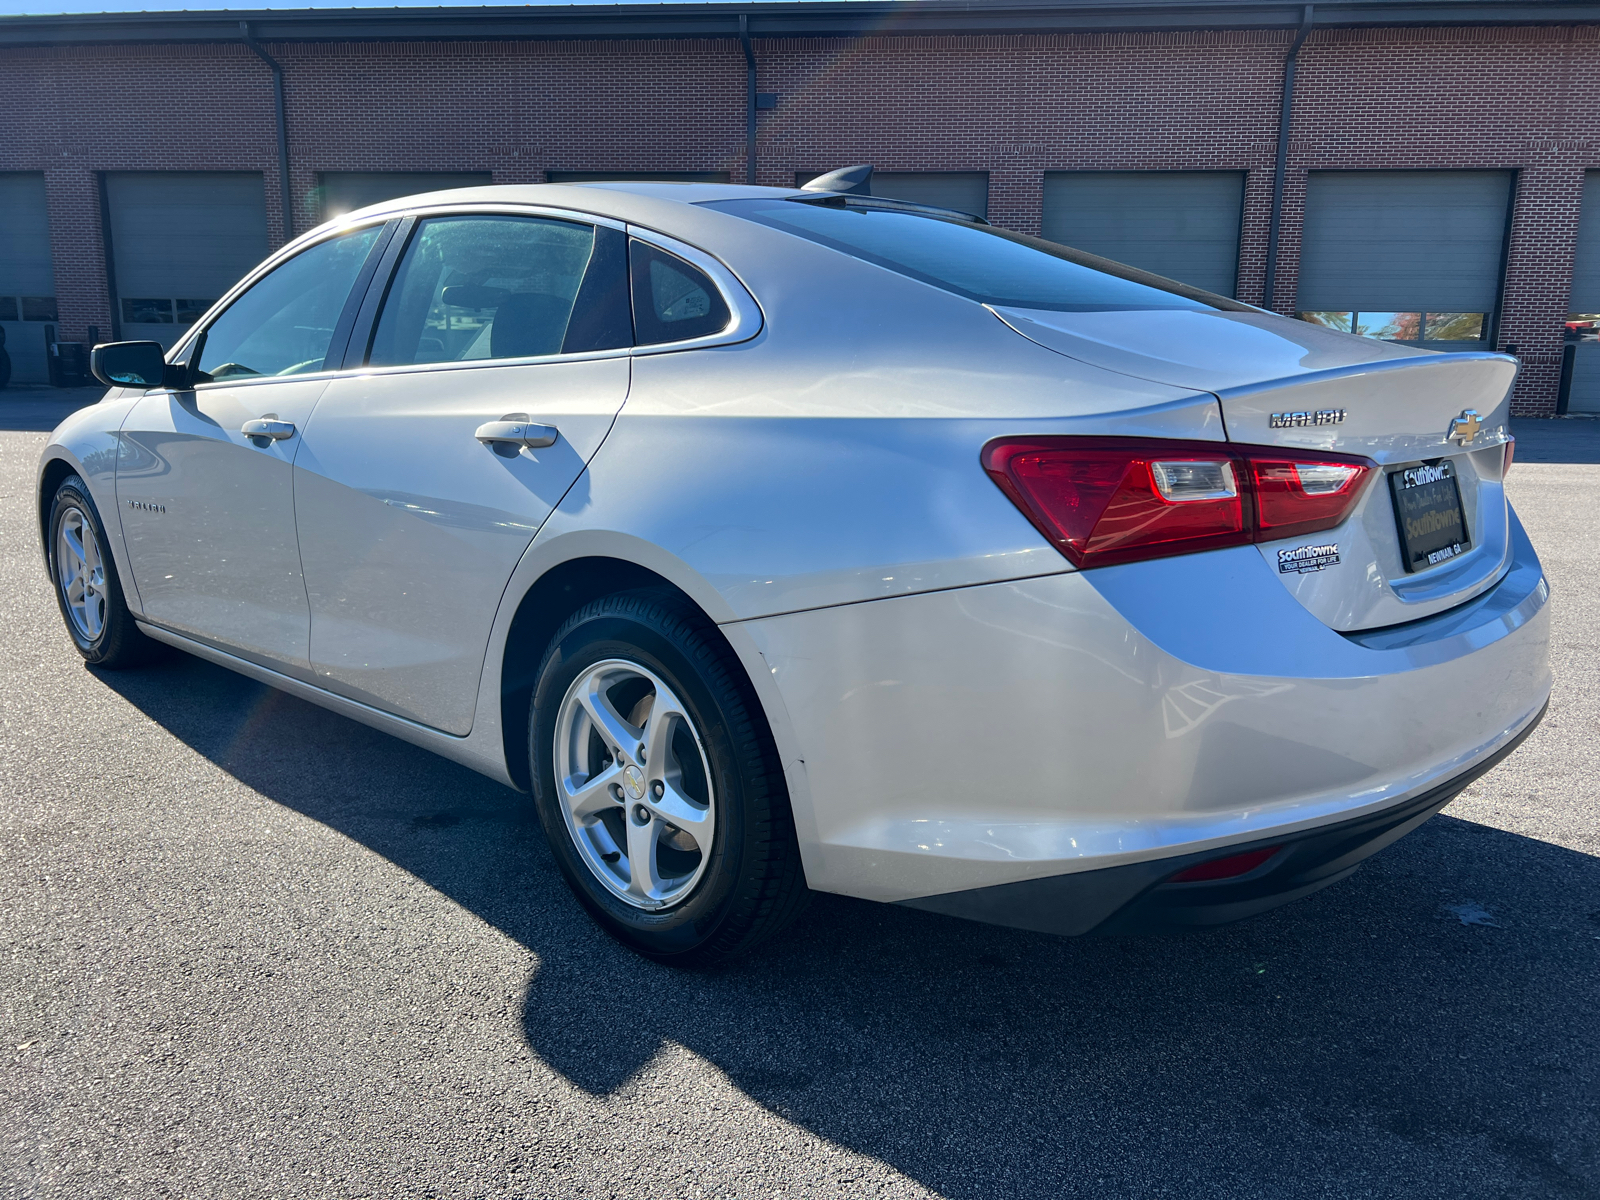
x,y
252,949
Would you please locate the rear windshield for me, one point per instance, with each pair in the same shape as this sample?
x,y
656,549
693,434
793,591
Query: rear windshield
x,y
980,262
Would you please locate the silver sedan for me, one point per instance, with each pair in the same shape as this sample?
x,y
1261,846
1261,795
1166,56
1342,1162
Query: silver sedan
x,y
784,540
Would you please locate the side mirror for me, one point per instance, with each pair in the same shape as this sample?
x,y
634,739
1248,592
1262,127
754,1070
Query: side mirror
x,y
129,364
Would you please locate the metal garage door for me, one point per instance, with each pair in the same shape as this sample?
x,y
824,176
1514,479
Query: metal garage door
x,y
1181,224
27,279
1583,321
636,176
344,191
179,239
964,191
1405,255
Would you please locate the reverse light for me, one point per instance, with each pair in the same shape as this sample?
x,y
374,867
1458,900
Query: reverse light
x,y
1111,500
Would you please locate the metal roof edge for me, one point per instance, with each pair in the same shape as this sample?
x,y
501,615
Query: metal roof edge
x,y
796,18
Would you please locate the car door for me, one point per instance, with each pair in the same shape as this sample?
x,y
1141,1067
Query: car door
x,y
411,514
204,483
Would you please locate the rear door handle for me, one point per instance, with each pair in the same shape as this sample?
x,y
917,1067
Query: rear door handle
x,y
267,429
514,431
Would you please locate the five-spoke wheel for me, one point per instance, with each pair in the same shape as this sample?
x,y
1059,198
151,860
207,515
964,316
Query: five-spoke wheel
x,y
86,583
80,572
634,783
657,781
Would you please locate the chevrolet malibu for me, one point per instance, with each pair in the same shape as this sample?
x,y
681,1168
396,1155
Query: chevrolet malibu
x,y
786,540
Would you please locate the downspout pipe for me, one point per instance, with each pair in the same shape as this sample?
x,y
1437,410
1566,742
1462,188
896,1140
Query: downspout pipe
x,y
283,127
1285,115
749,99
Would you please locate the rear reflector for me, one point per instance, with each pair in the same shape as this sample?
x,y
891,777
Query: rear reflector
x,y
1225,868
1112,500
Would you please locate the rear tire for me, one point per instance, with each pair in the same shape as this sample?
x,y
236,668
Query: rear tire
x,y
658,784
88,589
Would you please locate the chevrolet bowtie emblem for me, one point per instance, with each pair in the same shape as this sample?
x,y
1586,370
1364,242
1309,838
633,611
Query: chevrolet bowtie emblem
x,y
1465,427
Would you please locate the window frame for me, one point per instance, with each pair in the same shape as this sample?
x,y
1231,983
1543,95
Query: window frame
x,y
746,319
182,348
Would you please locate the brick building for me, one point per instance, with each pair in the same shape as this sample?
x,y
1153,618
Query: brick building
x,y
1435,157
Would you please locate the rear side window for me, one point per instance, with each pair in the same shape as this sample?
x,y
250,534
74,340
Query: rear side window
x,y
489,287
980,262
672,300
284,323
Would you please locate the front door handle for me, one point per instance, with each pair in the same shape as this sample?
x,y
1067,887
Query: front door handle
x,y
514,431
267,429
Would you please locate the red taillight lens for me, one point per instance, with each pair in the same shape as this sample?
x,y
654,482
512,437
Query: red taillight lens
x,y
1111,500
1511,452
1225,868
1294,496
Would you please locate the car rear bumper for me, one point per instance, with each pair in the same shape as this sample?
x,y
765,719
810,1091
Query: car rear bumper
x,y
1144,898
991,735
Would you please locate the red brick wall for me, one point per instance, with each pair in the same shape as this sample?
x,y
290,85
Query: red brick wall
x,y
1518,98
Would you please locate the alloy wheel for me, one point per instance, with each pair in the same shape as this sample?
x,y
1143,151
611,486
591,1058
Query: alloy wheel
x,y
634,784
81,573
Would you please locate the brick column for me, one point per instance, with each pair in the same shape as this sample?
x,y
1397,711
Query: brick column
x,y
76,250
1016,194
1253,226
1538,283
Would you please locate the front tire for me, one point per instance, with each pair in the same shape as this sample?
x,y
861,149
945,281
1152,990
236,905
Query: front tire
x,y
658,785
88,589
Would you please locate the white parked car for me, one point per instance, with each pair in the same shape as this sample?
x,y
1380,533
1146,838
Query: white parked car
x,y
780,540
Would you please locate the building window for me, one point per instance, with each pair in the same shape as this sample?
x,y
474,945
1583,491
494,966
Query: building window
x,y
147,311
1405,326
190,311
39,308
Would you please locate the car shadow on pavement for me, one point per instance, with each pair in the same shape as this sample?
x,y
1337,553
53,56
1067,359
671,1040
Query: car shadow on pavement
x,y
1562,440
1425,1028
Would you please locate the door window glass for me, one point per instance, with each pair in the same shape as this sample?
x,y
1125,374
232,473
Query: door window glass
x,y
483,287
672,301
284,323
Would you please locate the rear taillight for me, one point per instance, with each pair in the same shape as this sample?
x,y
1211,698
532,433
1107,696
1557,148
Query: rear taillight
x,y
1511,452
1112,500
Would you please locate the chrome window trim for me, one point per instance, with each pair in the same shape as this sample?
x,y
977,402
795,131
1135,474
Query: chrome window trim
x,y
476,364
748,319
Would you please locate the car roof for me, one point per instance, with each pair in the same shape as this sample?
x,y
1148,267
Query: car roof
x,y
641,201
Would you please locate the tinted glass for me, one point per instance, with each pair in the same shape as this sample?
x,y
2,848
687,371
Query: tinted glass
x,y
282,325
602,318
979,262
672,300
483,287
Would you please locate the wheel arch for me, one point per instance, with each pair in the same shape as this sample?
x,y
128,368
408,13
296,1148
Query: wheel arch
x,y
52,472
553,597
565,585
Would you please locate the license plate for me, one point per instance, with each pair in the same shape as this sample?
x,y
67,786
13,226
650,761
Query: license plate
x,y
1428,512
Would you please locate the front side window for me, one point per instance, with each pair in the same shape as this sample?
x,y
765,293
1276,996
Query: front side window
x,y
284,323
484,287
980,262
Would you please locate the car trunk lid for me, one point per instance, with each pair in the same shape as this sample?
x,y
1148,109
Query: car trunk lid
x,y
1422,417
